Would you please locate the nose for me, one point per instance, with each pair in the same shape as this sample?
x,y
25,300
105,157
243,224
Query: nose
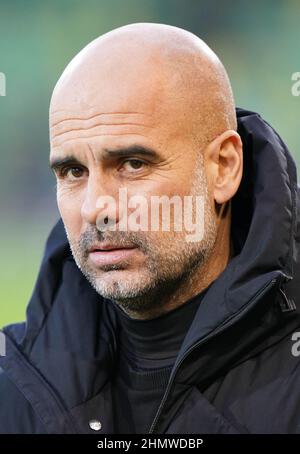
x,y
100,205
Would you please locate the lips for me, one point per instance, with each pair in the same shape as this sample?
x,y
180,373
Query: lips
x,y
108,247
106,254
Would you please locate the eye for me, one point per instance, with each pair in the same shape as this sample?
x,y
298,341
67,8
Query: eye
x,y
71,172
133,164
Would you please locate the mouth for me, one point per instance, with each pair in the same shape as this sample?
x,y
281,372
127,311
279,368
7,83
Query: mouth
x,y
110,254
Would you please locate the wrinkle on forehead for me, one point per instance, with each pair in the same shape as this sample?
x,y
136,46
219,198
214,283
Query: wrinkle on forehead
x,y
61,141
64,125
62,116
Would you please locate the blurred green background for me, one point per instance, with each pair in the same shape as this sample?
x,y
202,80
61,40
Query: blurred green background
x,y
258,43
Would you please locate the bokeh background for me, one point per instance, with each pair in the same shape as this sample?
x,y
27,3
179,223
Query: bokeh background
x,y
258,42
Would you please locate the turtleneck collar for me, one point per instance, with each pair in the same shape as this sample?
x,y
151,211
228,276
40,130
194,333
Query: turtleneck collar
x,y
153,343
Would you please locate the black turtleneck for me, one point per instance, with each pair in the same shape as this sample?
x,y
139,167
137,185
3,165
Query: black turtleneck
x,y
146,355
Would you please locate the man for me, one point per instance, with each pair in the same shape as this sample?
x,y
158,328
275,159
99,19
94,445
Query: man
x,y
143,330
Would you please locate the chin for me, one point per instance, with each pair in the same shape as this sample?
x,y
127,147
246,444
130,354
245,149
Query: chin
x,y
116,284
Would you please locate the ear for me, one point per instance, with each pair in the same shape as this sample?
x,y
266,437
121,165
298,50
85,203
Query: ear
x,y
224,161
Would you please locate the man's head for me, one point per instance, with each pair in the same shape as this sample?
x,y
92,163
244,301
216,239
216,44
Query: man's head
x,y
146,108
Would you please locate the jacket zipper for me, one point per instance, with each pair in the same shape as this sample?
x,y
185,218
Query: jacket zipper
x,y
263,290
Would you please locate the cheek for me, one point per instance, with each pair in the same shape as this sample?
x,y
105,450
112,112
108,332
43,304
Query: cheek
x,y
179,187
69,206
173,185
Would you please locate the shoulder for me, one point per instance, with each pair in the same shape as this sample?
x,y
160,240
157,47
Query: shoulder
x,y
16,414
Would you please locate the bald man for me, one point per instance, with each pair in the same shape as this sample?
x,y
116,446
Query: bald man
x,y
168,292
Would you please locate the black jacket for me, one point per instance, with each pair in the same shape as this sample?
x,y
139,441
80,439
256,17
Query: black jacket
x,y
238,369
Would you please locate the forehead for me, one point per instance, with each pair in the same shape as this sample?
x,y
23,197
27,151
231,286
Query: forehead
x,y
140,121
67,125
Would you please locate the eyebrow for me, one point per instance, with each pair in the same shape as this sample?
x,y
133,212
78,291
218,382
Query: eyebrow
x,y
57,163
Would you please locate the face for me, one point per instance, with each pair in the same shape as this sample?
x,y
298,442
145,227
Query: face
x,y
131,138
